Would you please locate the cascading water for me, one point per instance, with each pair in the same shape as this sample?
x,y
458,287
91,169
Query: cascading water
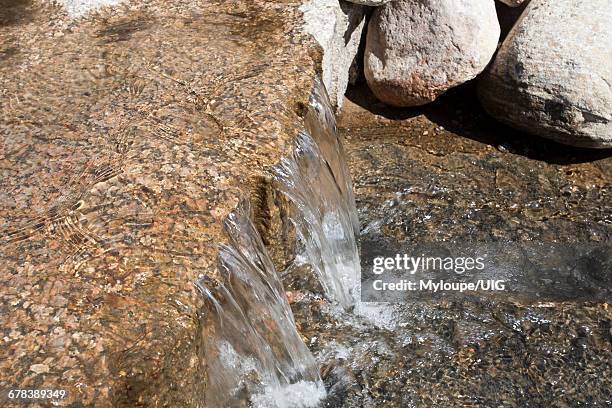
x,y
253,352
316,180
320,122
255,356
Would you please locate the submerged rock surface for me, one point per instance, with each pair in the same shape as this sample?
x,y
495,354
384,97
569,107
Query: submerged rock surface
x,y
552,76
416,50
127,138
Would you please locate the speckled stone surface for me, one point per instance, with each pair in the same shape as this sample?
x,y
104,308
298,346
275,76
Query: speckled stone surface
x,y
125,138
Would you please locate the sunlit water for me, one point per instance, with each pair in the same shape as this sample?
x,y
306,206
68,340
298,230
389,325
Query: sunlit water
x,y
316,180
252,349
372,352
254,354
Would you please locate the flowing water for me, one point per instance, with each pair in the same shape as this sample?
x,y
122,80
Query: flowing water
x,y
254,353
544,342
252,348
447,174
316,180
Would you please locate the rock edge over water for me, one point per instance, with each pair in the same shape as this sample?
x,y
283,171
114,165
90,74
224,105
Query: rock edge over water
x,y
128,137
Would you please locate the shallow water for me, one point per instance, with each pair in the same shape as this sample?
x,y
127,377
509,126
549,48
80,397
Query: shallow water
x,y
127,138
447,174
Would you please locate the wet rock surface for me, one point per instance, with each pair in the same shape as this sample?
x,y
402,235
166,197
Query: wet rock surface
x,y
448,172
552,74
473,177
126,139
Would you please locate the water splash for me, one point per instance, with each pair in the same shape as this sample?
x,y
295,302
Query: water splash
x,y
316,180
253,352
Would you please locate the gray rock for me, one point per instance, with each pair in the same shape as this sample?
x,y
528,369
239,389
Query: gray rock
x,y
337,27
418,49
370,2
552,76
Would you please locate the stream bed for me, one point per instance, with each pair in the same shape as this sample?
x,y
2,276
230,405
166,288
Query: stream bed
x,y
447,174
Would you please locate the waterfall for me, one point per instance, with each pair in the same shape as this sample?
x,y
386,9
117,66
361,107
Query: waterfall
x,y
253,353
252,349
316,180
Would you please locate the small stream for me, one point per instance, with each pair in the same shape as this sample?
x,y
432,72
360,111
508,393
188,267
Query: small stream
x,y
445,181
254,354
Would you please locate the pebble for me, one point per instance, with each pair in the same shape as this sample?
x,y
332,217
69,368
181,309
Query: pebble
x,y
39,368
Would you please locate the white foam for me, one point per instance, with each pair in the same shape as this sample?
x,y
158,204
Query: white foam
x,y
303,394
334,350
79,8
382,315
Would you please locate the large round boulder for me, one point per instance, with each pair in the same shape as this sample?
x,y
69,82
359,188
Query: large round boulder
x,y
552,76
417,49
